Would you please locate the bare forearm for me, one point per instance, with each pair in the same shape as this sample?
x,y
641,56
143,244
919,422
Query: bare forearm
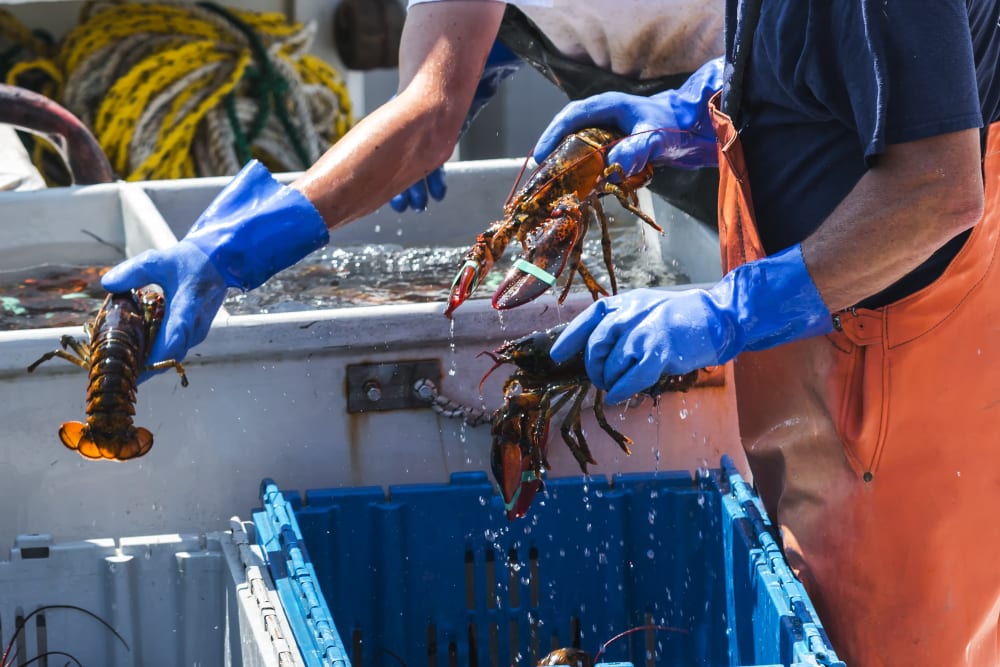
x,y
384,154
442,52
919,195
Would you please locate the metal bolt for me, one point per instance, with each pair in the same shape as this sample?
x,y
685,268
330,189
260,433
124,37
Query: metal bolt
x,y
424,389
373,391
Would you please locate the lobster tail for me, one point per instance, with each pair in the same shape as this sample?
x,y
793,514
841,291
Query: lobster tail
x,y
78,437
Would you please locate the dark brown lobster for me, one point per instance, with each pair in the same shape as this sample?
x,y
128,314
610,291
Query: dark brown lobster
x,y
549,216
533,394
114,356
577,657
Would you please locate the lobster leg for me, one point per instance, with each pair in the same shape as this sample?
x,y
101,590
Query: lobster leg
x,y
541,426
623,440
81,359
170,363
590,281
572,432
627,198
606,245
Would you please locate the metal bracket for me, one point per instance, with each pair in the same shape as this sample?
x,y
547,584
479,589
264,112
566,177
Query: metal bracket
x,y
389,386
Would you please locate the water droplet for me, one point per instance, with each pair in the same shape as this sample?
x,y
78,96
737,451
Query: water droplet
x,y
650,554
683,413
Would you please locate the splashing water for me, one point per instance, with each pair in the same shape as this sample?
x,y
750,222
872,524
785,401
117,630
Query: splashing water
x,y
381,274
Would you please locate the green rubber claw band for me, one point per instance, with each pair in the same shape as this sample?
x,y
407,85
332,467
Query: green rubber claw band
x,y
467,264
530,268
526,476
513,501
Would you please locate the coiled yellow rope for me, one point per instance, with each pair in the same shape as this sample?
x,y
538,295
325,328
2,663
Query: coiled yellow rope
x,y
176,90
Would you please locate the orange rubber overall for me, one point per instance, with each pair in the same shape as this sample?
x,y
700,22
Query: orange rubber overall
x,y
876,449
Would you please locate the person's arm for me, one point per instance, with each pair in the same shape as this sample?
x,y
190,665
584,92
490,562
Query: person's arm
x,y
256,226
915,198
501,64
442,52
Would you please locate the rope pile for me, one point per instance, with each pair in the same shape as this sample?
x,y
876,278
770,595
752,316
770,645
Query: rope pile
x,y
180,90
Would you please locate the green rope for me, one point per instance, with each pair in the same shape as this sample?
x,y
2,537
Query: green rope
x,y
266,84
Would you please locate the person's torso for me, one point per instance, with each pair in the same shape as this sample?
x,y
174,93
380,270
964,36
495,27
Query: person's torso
x,y
639,39
830,84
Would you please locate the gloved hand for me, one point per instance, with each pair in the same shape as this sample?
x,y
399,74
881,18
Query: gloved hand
x,y
668,128
500,64
415,196
629,340
254,228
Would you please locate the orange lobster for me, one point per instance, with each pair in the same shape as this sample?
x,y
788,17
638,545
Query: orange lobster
x,y
549,217
119,342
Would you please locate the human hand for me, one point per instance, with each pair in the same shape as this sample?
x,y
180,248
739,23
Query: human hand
x,y
415,196
669,128
629,340
254,228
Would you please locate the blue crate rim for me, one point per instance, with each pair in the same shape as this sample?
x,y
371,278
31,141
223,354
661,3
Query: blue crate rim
x,y
298,588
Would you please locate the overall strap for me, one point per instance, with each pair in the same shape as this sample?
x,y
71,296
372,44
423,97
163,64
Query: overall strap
x,y
747,15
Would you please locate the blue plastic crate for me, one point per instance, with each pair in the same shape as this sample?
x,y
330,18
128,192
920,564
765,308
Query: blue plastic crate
x,y
433,574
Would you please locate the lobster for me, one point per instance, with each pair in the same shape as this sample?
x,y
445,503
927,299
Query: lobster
x,y
577,657
533,394
549,217
119,340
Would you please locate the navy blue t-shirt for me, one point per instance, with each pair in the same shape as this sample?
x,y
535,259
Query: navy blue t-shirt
x,y
831,83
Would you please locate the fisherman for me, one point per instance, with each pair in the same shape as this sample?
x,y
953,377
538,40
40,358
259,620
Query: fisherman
x,y
861,297
257,227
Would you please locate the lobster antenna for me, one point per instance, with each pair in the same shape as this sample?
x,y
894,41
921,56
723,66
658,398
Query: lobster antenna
x,y
38,658
398,658
496,364
605,645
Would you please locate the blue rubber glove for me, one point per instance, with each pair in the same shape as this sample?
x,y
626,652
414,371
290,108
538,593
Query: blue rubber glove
x,y
629,340
254,228
415,196
669,128
500,64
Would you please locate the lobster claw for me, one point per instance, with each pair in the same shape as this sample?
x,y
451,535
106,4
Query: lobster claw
x,y
518,479
548,249
515,459
475,265
528,488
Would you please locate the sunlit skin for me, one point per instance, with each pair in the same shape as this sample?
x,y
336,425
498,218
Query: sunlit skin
x,y
443,49
912,201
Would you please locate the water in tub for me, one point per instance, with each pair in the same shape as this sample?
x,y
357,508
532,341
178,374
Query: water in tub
x,y
331,277
377,274
50,296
